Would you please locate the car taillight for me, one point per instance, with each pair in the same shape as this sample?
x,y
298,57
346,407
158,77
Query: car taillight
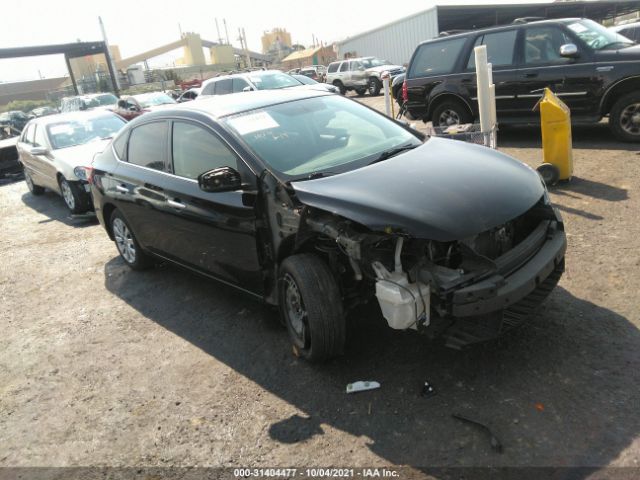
x,y
405,91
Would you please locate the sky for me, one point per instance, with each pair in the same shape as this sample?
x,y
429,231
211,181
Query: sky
x,y
136,26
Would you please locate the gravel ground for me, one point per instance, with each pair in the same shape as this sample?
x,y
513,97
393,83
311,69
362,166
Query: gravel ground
x,y
103,366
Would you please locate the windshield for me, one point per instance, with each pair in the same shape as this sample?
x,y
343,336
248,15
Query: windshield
x,y
78,132
327,134
597,36
304,79
152,99
273,81
373,62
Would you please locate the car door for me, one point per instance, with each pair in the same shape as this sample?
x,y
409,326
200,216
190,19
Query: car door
x,y
44,163
25,142
137,184
357,74
502,54
224,86
572,79
214,233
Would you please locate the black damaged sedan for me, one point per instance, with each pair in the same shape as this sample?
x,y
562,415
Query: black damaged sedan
x,y
316,203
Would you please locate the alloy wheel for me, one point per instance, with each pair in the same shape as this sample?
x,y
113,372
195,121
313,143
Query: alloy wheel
x,y
67,194
449,117
124,240
630,119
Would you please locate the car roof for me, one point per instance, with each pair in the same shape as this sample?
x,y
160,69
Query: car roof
x,y
71,116
219,106
617,28
241,75
498,28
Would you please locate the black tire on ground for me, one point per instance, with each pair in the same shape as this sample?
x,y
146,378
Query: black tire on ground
x,y
361,91
398,97
126,243
549,173
33,188
338,83
374,86
311,307
450,112
74,198
624,118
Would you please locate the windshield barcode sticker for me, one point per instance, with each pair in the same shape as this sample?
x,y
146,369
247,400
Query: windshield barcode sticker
x,y
253,123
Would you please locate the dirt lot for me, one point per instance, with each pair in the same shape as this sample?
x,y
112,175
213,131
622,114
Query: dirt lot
x,y
100,365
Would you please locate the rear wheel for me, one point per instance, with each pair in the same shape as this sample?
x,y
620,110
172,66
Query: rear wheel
x,y
33,188
127,244
450,112
311,307
340,86
624,118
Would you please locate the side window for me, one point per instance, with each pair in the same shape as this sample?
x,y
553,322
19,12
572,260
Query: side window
x,y
355,66
120,146
333,68
239,84
40,138
542,45
209,88
223,87
31,134
501,47
27,133
196,150
437,58
344,66
148,146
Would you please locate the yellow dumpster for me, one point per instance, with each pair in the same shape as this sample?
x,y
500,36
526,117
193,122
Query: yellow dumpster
x,y
557,152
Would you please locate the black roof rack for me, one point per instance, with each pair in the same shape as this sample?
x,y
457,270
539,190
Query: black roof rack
x,y
522,20
446,33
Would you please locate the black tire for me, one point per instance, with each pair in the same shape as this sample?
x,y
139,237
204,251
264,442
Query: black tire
x,y
126,243
338,83
308,289
33,188
374,86
450,112
398,97
624,118
74,198
361,91
549,173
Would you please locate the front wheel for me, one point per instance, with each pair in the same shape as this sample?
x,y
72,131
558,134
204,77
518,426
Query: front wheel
x,y
624,118
73,197
374,87
450,112
311,307
340,87
127,245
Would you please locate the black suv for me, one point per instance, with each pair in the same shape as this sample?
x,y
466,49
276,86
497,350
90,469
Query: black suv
x,y
594,70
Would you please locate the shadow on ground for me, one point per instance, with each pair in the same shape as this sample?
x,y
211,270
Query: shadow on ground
x,y
560,391
52,206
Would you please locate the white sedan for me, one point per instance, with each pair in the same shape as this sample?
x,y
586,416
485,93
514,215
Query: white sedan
x,y
56,152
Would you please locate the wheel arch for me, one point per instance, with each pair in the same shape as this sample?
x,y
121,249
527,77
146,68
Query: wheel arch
x,y
617,90
439,98
107,211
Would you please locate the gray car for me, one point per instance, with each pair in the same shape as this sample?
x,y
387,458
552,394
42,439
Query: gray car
x,y
361,74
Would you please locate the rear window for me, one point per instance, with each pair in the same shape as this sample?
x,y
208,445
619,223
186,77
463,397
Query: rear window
x,y
436,58
209,88
223,87
333,67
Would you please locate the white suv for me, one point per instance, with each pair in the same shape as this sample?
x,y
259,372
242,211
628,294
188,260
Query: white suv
x,y
360,74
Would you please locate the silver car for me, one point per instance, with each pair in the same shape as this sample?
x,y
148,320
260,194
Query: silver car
x,y
56,152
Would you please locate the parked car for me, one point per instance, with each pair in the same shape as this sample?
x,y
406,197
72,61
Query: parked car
x,y
9,160
189,95
104,101
397,88
316,72
42,111
629,30
258,80
309,81
316,203
360,74
135,105
56,152
592,69
12,122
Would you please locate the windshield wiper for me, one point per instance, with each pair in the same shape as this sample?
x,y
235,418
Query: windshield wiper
x,y
313,176
393,152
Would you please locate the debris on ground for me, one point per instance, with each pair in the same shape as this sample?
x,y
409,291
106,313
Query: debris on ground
x,y
495,443
362,386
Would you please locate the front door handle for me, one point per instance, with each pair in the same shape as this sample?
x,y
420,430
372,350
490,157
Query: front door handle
x,y
174,204
122,189
530,75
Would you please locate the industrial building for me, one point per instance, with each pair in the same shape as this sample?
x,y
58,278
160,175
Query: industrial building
x,y
396,41
320,55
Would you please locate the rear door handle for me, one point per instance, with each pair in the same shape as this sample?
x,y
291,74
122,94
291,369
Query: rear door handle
x,y
174,204
122,189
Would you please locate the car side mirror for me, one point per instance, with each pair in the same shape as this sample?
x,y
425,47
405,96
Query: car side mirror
x,y
569,50
223,179
38,151
247,89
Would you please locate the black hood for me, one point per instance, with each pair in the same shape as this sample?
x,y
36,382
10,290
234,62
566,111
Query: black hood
x,y
629,53
443,190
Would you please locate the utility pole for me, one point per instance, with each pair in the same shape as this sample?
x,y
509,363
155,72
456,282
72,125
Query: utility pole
x,y
218,30
226,32
246,48
180,29
107,55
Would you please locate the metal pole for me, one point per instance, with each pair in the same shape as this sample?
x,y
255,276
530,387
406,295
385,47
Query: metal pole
x,y
107,56
387,97
226,32
71,75
218,30
246,48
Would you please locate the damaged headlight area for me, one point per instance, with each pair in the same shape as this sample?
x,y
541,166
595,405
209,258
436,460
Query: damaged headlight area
x,y
467,290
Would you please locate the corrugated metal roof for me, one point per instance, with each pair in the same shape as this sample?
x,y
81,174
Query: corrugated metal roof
x,y
300,54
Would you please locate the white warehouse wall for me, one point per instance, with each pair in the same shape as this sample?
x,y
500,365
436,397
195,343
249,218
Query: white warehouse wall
x,y
395,41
